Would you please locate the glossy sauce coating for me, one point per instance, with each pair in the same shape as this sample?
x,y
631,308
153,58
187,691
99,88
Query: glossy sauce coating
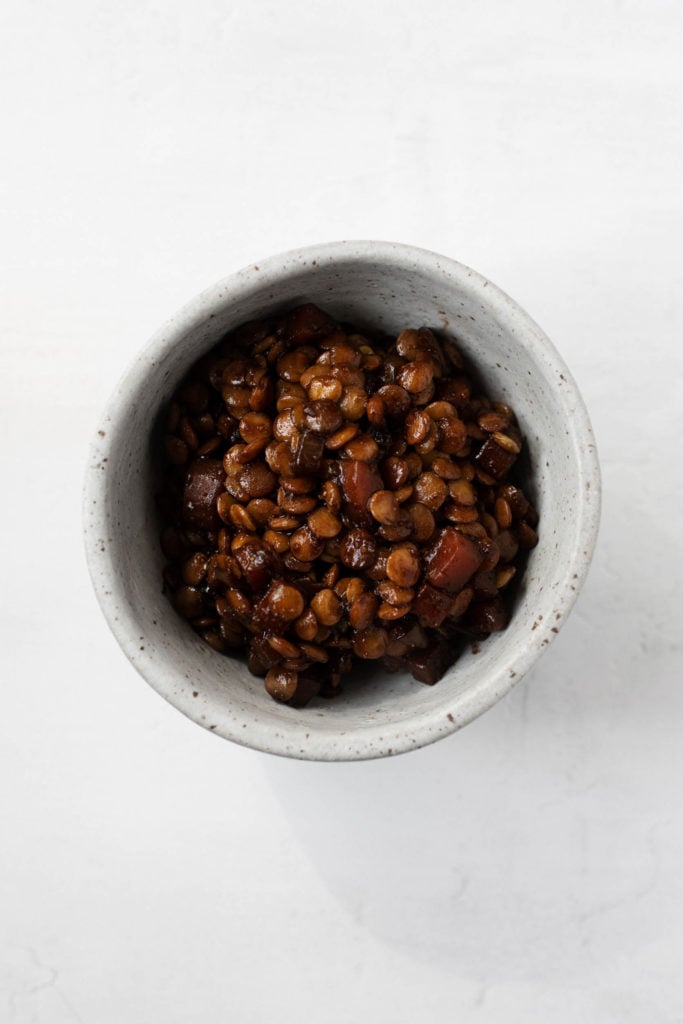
x,y
332,498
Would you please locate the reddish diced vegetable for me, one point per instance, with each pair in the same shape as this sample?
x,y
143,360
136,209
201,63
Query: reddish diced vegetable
x,y
308,453
323,416
307,686
258,564
432,605
307,323
494,460
451,560
358,482
203,485
403,638
430,664
488,616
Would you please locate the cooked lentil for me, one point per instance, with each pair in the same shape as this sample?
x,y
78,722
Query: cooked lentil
x,y
330,496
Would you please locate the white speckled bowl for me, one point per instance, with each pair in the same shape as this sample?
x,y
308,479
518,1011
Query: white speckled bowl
x,y
391,286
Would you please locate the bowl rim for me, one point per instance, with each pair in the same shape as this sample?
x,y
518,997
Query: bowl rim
x,y
399,736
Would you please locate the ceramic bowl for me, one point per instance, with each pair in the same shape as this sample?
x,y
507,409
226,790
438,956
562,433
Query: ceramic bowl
x,y
389,286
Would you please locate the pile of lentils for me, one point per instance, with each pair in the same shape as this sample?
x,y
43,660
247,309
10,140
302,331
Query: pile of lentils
x,y
330,496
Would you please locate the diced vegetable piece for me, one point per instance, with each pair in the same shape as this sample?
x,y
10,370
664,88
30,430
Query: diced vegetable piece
x,y
494,460
258,564
451,560
308,453
358,482
430,664
203,485
432,605
488,616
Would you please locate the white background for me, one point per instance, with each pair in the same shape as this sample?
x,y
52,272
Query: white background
x,y
528,869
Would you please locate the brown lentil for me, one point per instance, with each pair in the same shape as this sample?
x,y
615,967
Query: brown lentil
x,y
284,522
299,485
239,602
358,548
260,510
504,575
445,468
404,493
330,495
239,517
279,542
362,611
415,377
325,387
492,422
353,402
460,513
430,490
209,446
423,522
503,513
363,448
257,480
370,643
375,411
462,492
453,435
305,545
395,472
255,426
296,504
506,442
281,683
314,653
395,399
383,507
341,437
354,589
283,647
389,612
393,594
194,569
324,523
285,601
418,425
527,536
306,626
332,575
403,565
327,607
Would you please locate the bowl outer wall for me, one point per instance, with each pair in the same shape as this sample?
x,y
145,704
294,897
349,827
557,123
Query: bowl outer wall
x,y
374,283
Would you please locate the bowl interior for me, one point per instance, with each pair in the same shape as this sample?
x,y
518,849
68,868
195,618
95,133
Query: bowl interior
x,y
388,713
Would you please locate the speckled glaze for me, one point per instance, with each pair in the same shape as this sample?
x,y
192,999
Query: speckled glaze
x,y
367,283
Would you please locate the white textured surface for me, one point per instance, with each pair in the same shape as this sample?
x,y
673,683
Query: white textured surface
x,y
528,868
